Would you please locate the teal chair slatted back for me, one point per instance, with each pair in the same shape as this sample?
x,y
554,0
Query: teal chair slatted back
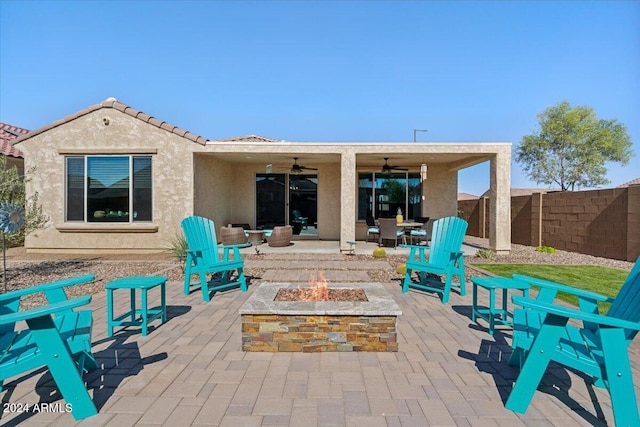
x,y
445,258
203,258
446,237
200,234
627,303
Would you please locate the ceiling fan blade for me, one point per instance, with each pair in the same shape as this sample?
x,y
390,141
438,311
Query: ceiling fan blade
x,y
387,168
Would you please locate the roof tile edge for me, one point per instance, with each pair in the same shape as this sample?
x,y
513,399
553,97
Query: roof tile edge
x,y
124,108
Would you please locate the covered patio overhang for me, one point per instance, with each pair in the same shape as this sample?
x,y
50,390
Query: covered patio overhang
x,y
225,172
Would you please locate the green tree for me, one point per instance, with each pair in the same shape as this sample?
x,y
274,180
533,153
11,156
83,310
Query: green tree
x,y
12,189
395,190
572,146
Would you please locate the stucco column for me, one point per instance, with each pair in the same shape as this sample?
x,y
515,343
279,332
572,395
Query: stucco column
x,y
348,200
500,202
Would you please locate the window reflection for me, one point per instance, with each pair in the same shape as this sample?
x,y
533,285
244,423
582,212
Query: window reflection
x,y
381,194
108,188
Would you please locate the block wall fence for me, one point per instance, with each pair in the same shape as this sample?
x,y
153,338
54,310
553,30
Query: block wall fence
x,y
603,223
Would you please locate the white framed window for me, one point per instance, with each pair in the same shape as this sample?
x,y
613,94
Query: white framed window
x,y
108,188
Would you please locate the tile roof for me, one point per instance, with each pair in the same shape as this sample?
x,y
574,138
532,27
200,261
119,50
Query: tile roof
x,y
248,138
114,103
8,134
632,182
467,196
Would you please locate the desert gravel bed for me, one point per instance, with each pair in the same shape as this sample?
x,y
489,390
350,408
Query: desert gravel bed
x,y
528,255
25,270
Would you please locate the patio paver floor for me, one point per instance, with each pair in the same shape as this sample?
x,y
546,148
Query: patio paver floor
x,y
191,371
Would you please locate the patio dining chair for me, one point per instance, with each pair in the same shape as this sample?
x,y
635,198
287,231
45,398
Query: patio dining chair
x,y
372,228
420,234
389,231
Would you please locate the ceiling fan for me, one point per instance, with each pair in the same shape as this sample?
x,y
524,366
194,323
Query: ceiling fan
x,y
297,169
387,168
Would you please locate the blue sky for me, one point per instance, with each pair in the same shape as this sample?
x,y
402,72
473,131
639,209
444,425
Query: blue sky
x,y
328,71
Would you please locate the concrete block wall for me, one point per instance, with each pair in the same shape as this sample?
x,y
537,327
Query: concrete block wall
x,y
589,222
521,220
602,223
470,211
633,222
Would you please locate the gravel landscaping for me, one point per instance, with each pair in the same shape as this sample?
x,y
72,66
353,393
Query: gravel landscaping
x,y
25,270
528,255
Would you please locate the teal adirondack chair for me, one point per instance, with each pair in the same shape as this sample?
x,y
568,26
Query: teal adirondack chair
x,y
597,348
56,337
445,258
203,257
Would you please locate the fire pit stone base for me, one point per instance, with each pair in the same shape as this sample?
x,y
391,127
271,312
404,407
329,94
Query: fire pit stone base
x,y
309,327
311,333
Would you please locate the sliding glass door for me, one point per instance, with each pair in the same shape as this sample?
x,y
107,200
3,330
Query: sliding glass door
x,y
270,200
287,199
303,204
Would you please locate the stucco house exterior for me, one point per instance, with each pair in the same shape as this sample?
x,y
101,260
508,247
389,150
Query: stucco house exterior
x,y
112,178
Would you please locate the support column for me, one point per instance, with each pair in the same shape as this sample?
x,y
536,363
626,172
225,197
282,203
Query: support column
x,y
483,218
633,222
536,220
500,202
348,202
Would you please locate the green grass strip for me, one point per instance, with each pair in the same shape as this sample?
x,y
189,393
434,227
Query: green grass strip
x,y
601,280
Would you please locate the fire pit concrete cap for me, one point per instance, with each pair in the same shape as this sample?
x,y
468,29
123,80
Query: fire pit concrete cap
x,y
380,302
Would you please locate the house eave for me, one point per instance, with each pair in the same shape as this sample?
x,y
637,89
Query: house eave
x,y
119,106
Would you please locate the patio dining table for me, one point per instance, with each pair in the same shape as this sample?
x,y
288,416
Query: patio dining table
x,y
407,226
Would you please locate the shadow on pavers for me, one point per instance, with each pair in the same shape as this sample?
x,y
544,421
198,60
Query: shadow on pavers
x,y
493,357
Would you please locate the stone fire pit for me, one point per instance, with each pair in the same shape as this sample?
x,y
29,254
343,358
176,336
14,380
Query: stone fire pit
x,y
317,326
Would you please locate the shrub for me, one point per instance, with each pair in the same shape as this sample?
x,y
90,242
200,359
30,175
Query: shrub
x,y
12,190
402,269
485,254
546,249
177,246
379,253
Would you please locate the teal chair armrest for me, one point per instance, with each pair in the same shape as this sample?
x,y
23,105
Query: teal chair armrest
x,y
557,287
47,287
457,254
45,310
239,245
412,251
236,250
572,313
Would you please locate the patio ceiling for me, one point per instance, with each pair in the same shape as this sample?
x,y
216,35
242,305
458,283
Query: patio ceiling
x,y
365,160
